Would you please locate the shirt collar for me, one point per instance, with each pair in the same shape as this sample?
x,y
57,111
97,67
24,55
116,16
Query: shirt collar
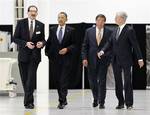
x,y
122,26
31,20
63,27
102,29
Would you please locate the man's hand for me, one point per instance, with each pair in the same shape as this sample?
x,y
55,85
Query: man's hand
x,y
63,51
99,54
39,44
30,45
85,63
141,63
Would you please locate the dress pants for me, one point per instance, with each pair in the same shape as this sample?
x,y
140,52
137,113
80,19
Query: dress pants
x,y
28,76
97,82
62,73
119,86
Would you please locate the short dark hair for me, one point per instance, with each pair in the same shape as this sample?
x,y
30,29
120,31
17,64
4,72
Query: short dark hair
x,y
64,14
101,16
31,7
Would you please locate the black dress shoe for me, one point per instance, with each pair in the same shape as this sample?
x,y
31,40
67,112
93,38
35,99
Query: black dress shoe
x,y
129,107
120,107
62,105
95,104
30,106
101,106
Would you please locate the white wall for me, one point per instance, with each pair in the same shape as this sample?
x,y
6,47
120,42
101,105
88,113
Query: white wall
x,y
6,12
86,10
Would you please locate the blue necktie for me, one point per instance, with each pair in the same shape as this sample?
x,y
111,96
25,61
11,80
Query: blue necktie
x,y
60,37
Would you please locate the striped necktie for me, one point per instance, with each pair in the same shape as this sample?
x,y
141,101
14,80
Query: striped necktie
x,y
60,37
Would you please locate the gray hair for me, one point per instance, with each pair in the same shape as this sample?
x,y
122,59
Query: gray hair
x,y
122,14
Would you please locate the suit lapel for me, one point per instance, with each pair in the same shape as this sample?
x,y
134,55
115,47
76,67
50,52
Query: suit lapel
x,y
35,29
26,28
104,35
94,36
65,34
55,35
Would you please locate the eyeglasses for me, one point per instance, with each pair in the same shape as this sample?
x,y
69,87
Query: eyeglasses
x,y
33,11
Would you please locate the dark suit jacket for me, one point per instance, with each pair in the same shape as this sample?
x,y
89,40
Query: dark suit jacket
x,y
123,47
53,46
21,37
90,47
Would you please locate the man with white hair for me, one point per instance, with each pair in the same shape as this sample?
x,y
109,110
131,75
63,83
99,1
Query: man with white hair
x,y
122,41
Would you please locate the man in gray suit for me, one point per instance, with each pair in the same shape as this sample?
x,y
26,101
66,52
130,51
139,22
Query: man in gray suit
x,y
123,41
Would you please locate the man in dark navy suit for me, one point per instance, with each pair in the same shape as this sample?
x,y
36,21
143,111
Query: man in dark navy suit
x,y
95,38
30,38
60,47
123,41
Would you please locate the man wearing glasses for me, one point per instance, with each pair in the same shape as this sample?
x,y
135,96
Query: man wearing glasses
x,y
30,38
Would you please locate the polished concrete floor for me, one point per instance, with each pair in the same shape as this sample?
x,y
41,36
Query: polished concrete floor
x,y
79,103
